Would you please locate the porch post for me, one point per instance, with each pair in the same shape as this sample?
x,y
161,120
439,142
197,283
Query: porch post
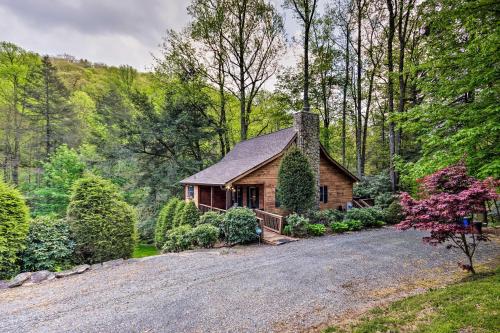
x,y
211,197
228,198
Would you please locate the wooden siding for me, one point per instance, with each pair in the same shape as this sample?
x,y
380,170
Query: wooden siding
x,y
339,185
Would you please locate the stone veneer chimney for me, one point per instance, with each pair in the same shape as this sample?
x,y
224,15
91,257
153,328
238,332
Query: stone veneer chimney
x,y
306,124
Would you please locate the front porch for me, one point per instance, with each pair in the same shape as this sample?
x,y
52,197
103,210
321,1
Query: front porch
x,y
218,199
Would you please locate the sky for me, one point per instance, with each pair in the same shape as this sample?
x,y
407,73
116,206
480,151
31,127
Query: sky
x,y
114,32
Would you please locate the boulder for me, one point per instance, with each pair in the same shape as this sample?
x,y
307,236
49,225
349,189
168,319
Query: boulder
x,y
112,263
4,284
75,270
40,276
19,279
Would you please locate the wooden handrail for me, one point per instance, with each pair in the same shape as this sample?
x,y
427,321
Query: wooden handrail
x,y
206,208
270,221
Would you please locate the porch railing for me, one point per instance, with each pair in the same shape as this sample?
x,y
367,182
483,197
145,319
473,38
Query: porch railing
x,y
270,221
206,208
360,203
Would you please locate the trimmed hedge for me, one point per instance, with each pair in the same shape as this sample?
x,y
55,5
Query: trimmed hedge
x,y
14,224
190,214
49,245
205,235
165,221
102,225
296,182
179,239
240,225
215,219
179,210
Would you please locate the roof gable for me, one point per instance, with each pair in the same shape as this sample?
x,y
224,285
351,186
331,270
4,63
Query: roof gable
x,y
244,157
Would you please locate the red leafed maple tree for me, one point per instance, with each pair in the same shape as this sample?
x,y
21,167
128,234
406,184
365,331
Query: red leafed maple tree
x,y
444,199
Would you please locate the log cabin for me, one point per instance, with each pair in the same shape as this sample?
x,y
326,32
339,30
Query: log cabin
x,y
247,176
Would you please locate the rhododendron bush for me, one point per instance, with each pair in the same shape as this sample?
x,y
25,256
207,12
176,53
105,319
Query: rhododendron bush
x,y
444,199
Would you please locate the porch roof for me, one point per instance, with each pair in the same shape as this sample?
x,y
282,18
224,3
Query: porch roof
x,y
244,157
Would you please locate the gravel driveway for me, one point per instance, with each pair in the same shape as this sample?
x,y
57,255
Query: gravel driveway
x,y
292,287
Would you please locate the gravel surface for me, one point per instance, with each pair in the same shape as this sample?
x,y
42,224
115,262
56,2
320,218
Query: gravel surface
x,y
292,287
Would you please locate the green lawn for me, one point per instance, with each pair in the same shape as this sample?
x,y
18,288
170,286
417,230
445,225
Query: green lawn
x,y
468,307
143,250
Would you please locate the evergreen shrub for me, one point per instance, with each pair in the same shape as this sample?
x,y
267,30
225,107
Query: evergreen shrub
x,y
102,225
165,221
14,225
240,225
179,239
190,214
205,235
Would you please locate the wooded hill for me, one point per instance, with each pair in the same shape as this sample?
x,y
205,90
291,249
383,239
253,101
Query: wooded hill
x,y
403,88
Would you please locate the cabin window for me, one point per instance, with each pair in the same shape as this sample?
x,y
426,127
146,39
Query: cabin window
x,y
190,192
323,194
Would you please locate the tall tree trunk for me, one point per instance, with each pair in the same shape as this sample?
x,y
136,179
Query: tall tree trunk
x,y
48,124
359,119
390,95
344,93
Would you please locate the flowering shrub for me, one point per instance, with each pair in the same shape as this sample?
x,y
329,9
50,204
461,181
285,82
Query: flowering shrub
x,y
445,197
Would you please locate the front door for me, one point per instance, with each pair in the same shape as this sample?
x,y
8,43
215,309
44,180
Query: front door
x,y
253,197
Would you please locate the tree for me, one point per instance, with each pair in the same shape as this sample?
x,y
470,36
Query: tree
x,y
102,224
296,182
304,10
14,218
61,171
47,98
446,197
253,42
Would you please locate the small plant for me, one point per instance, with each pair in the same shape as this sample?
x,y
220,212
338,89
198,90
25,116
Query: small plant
x,y
379,224
316,229
394,213
179,239
287,230
14,219
354,225
339,227
319,217
48,246
367,216
240,225
298,225
205,235
190,214
335,215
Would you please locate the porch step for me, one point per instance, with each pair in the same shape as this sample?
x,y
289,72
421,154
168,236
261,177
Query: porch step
x,y
273,238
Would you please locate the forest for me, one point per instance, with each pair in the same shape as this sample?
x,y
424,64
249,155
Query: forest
x,y
403,88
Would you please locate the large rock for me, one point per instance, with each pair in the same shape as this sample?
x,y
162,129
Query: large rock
x,y
40,276
4,284
19,279
75,270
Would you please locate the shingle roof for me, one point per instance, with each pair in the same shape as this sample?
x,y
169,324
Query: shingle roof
x,y
244,157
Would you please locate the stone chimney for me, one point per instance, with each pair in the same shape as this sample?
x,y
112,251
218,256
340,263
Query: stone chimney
x,y
306,124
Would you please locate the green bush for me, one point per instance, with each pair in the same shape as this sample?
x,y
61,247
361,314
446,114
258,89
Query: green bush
x,y
179,239
326,216
383,200
354,225
367,216
179,210
48,246
165,221
372,186
339,227
287,230
316,229
190,214
296,182
379,224
215,219
298,225
205,235
14,226
394,213
102,225
240,225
